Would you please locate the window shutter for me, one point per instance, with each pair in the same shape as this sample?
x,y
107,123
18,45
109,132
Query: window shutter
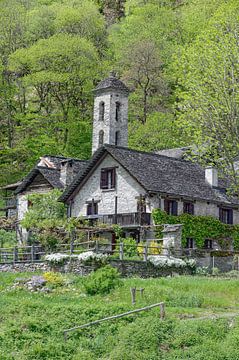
x,y
230,216
191,207
174,208
166,206
104,179
220,214
113,176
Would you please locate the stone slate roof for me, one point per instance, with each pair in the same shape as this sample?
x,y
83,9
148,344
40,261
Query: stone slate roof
x,y
157,174
177,153
52,175
111,83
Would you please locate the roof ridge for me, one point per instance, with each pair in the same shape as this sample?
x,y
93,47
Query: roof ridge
x,y
148,153
64,157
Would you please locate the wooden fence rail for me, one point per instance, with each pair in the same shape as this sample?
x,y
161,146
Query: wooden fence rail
x,y
160,305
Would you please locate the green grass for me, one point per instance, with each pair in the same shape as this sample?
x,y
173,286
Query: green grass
x,y
31,324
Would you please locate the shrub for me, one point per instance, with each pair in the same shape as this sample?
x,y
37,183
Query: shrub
x,y
102,281
90,257
56,259
130,247
204,270
54,279
171,262
153,249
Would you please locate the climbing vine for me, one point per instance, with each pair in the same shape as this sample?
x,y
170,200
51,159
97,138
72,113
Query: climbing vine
x,y
200,228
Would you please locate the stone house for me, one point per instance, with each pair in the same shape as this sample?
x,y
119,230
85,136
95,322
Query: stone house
x,y
51,172
122,186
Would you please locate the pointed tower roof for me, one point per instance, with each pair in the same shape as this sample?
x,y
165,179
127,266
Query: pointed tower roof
x,y
111,82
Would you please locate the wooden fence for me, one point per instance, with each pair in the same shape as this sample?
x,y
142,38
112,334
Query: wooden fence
x,y
114,317
36,253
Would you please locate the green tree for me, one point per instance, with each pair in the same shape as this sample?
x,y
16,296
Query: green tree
x,y
208,90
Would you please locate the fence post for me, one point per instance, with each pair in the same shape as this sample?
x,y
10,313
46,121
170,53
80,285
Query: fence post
x,y
97,246
121,251
15,254
145,252
32,253
162,311
72,247
133,295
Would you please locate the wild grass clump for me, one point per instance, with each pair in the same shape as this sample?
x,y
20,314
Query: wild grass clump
x,y
102,281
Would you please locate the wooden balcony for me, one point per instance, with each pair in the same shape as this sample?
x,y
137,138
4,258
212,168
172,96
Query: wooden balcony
x,y
124,220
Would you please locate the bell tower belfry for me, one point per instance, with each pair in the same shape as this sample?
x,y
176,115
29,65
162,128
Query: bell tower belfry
x,y
110,124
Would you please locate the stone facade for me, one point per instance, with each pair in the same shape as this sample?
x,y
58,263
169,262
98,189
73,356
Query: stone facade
x,y
127,190
22,208
109,125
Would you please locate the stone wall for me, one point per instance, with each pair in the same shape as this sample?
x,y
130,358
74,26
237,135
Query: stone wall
x,y
110,125
126,190
127,268
24,267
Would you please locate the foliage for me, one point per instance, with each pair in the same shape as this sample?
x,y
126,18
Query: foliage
x,y
208,101
7,238
171,262
200,228
45,211
129,245
54,279
90,257
153,248
57,258
204,270
102,281
42,318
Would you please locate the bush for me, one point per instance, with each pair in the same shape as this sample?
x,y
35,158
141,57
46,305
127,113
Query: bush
x,y
204,270
54,279
102,281
130,247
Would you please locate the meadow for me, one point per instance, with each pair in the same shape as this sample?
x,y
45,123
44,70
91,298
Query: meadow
x,y
32,324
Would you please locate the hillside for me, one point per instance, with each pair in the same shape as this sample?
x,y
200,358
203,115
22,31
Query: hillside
x,y
32,323
177,57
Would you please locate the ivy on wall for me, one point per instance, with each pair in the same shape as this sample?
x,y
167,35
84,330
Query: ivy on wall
x,y
200,228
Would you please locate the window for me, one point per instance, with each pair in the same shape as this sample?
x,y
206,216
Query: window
x,y
208,244
188,208
92,208
117,111
190,243
107,178
171,207
101,111
101,138
226,215
117,133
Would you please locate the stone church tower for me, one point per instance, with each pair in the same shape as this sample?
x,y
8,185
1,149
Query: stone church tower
x,y
110,125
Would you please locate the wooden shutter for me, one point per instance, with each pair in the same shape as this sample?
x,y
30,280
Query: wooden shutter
x,y
191,208
166,206
174,207
220,214
104,179
230,216
113,176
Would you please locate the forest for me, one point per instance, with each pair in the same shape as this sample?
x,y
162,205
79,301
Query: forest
x,y
178,57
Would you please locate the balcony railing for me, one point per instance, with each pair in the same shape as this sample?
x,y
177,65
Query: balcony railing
x,y
125,219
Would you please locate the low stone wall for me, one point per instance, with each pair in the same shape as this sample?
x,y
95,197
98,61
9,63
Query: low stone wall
x,y
223,263
24,267
127,268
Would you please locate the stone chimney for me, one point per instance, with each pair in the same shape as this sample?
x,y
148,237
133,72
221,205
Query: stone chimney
x,y
66,174
211,176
